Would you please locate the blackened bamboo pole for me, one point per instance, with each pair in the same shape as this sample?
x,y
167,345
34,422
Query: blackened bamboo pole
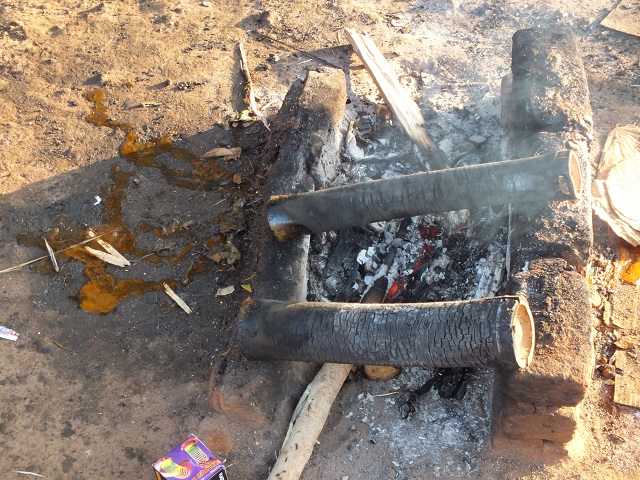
x,y
494,332
544,178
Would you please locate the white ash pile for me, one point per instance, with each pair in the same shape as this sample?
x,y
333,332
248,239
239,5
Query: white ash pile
x,y
452,256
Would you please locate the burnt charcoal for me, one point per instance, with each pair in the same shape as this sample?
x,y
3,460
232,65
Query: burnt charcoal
x,y
341,267
449,382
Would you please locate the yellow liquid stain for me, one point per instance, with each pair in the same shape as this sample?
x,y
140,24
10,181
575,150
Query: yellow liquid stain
x,y
204,175
102,291
631,259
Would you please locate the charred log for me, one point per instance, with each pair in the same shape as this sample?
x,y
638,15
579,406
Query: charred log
x,y
484,332
536,179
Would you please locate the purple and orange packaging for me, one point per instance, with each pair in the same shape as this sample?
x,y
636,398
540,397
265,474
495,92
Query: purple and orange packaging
x,y
191,460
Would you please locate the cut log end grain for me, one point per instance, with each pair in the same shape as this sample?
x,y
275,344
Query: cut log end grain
x,y
523,337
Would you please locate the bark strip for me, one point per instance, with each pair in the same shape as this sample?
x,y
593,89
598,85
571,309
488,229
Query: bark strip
x,y
536,179
496,332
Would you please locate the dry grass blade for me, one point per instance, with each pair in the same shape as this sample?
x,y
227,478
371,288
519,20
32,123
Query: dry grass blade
x,y
107,257
29,473
108,247
181,303
24,264
250,98
52,255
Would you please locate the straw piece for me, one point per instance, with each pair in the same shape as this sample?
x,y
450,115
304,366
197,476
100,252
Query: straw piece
x,y
176,298
52,255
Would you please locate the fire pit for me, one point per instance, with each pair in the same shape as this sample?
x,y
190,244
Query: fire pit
x,y
462,258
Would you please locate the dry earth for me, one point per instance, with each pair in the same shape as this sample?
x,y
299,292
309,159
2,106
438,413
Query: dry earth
x,y
101,383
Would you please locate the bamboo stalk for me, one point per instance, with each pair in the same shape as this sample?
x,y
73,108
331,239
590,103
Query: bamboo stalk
x,y
535,179
497,332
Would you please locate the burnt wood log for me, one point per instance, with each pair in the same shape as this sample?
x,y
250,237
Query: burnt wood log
x,y
545,107
496,332
549,84
535,179
255,400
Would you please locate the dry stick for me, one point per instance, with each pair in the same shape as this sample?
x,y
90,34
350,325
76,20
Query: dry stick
x,y
404,109
494,332
291,47
250,98
536,179
308,420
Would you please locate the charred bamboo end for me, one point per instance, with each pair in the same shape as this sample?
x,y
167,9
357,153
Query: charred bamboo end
x,y
283,226
522,334
575,174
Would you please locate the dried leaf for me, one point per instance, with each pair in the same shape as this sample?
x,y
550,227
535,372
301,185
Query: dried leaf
x,y
246,287
225,291
226,253
226,153
107,257
52,255
181,303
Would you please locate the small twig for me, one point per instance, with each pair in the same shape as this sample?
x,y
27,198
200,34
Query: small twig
x,y
250,96
108,247
291,47
181,303
62,346
108,258
390,393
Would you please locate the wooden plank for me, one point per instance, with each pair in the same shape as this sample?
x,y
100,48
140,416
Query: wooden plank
x,y
627,389
624,18
404,109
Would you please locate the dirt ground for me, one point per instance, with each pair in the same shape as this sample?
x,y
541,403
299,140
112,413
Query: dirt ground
x,y
106,110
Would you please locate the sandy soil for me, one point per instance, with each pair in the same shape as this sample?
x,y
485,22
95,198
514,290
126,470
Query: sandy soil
x,y
101,383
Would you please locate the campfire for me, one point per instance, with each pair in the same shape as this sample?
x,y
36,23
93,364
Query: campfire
x,y
412,264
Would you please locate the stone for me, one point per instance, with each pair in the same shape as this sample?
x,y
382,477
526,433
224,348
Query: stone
x,y
625,306
627,388
607,370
